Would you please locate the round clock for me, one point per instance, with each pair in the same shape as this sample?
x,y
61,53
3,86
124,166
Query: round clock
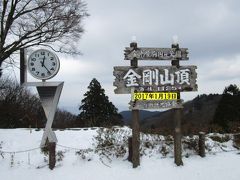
x,y
43,64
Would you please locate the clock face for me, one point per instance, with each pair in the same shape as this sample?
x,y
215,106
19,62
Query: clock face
x,y
43,64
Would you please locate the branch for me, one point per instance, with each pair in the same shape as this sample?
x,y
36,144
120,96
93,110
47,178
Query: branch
x,y
2,23
9,21
22,12
35,23
62,51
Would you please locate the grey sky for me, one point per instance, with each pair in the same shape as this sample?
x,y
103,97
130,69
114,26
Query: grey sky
x,y
209,29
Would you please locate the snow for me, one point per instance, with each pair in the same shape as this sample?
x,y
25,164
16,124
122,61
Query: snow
x,y
217,165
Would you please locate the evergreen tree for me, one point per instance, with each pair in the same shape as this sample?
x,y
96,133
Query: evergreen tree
x,y
96,109
228,109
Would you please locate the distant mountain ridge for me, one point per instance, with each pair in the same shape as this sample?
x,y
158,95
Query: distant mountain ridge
x,y
197,113
127,115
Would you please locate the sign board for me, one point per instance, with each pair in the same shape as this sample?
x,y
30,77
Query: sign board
x,y
156,53
156,96
160,104
154,78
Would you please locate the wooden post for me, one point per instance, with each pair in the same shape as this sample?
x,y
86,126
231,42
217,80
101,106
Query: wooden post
x,y
236,141
177,137
177,122
135,138
134,62
135,123
52,154
201,144
130,149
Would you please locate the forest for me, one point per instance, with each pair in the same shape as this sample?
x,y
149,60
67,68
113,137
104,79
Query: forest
x,y
20,108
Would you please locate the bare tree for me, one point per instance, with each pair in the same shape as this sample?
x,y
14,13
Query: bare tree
x,y
64,119
18,106
53,23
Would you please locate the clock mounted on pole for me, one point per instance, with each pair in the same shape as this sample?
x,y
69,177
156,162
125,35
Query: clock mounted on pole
x,y
43,65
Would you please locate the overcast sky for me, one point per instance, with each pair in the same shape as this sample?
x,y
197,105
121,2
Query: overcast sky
x,y
209,29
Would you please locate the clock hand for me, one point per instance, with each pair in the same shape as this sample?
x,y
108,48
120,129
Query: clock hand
x,y
46,68
43,61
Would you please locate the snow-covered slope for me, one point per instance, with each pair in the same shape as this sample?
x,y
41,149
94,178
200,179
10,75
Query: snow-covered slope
x,y
29,163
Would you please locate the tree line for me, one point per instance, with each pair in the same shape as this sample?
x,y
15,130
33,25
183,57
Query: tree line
x,y
19,108
226,114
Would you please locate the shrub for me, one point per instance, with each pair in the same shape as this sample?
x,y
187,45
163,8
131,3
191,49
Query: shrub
x,y
220,138
111,142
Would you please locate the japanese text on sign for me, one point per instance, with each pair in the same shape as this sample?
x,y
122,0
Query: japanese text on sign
x,y
156,53
155,78
150,77
163,104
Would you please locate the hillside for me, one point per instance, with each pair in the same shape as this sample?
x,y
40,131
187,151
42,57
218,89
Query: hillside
x,y
127,115
197,114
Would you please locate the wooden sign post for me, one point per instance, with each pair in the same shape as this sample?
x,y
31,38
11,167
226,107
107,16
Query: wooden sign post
x,y
155,87
177,122
135,121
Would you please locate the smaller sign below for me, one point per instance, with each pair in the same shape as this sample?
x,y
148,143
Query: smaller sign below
x,y
155,96
160,104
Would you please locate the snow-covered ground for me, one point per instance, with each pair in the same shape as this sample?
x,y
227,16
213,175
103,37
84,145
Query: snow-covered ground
x,y
32,164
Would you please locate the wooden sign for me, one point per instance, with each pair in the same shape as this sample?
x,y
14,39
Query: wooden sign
x,y
154,79
164,104
155,96
156,53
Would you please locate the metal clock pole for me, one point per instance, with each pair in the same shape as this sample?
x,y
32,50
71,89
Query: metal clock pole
x,y
23,68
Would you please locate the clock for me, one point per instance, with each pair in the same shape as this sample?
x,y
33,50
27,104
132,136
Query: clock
x,y
43,64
